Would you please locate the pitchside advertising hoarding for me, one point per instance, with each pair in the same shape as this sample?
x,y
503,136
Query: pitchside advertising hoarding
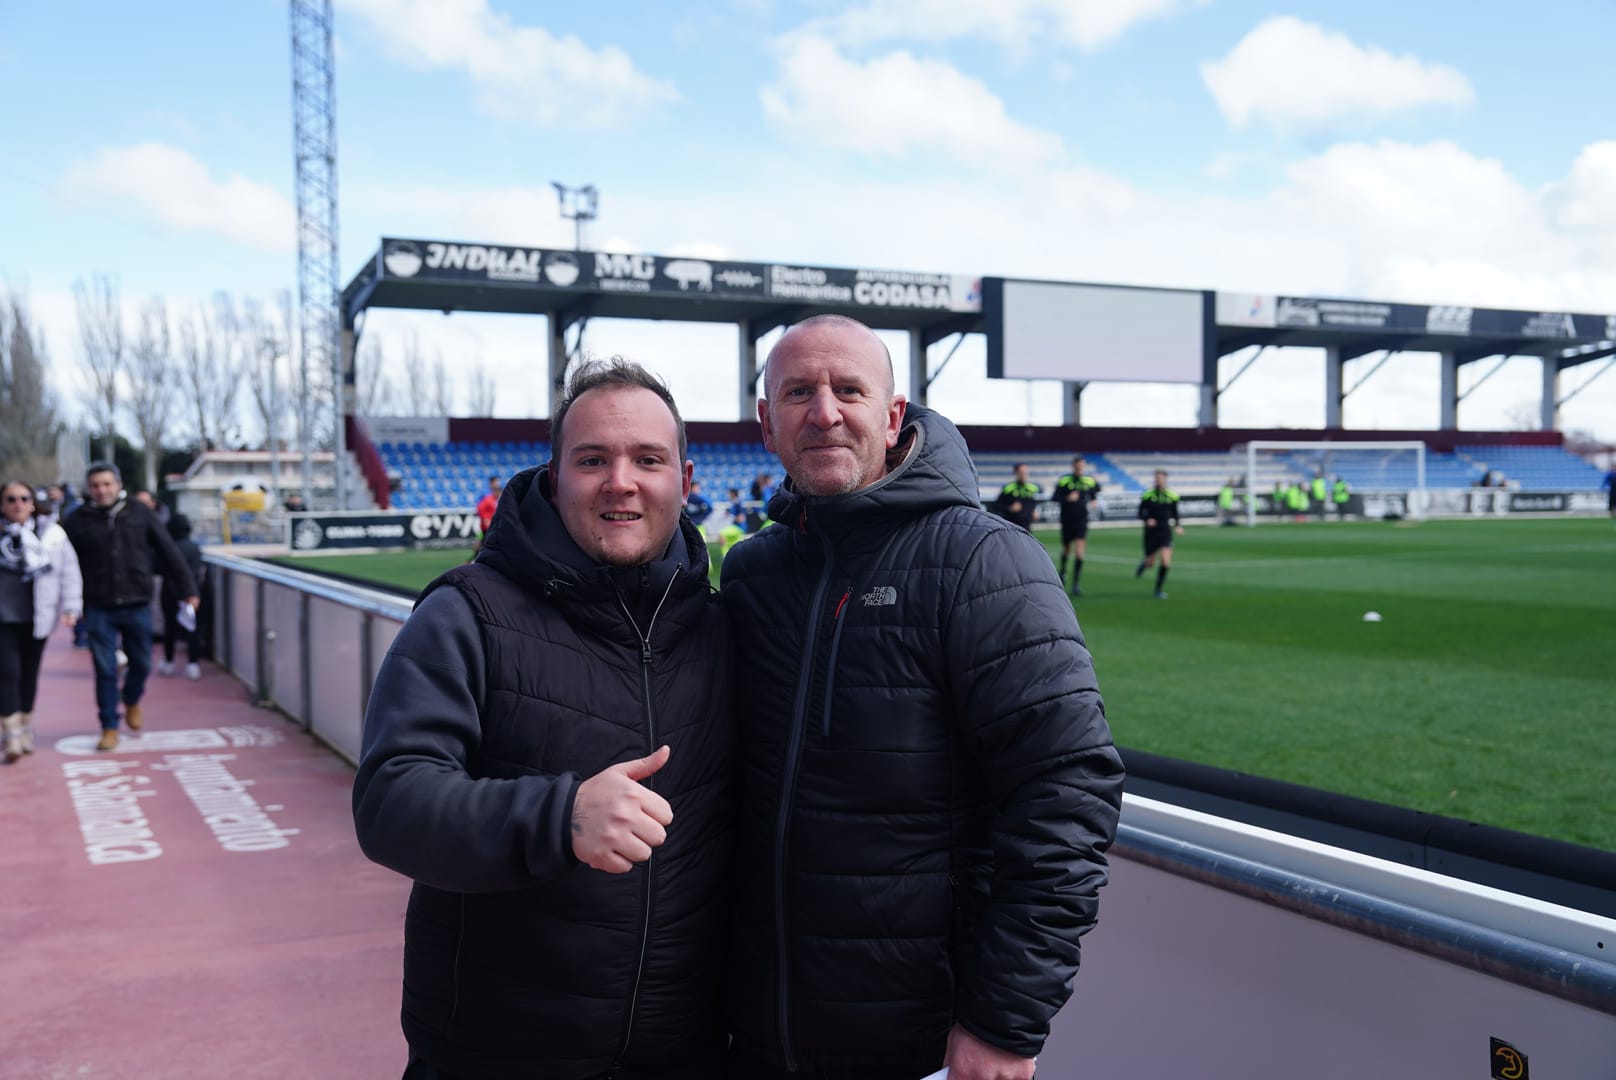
x,y
382,529
1316,313
620,272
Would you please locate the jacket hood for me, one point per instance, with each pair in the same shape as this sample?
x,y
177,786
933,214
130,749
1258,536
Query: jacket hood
x,y
528,543
929,469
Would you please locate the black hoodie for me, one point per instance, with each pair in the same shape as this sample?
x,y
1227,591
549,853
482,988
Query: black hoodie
x,y
928,780
518,676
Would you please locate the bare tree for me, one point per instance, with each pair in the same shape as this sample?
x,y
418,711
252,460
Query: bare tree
x,y
481,391
28,422
442,388
209,371
153,380
415,376
374,391
101,331
266,349
1524,416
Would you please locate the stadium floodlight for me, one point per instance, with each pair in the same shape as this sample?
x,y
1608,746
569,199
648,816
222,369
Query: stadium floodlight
x,y
578,204
1392,472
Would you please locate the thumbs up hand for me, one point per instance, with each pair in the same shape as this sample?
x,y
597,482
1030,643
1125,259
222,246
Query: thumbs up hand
x,y
616,820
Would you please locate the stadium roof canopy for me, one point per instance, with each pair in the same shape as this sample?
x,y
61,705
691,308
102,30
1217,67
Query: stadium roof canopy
x,y
445,276
1073,332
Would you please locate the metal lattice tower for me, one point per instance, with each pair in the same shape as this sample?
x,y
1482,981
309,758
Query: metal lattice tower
x,y
314,149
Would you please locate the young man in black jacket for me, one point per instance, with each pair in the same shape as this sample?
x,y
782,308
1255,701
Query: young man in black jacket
x,y
928,780
547,752
117,539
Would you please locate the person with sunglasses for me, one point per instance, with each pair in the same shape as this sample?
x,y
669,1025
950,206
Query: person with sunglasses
x,y
40,585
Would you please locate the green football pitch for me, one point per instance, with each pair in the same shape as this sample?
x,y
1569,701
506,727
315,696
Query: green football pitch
x,y
1487,691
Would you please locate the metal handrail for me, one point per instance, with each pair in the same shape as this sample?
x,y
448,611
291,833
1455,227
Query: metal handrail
x,y
1562,974
353,596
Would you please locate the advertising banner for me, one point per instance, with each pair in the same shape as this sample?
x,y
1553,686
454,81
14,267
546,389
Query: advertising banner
x,y
439,261
328,532
1244,309
1539,502
658,274
627,272
874,288
1435,319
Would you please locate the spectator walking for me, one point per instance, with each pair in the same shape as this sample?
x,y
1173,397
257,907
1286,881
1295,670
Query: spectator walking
x,y
179,528
118,539
39,587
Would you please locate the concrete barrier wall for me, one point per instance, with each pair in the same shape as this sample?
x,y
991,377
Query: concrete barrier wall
x,y
307,645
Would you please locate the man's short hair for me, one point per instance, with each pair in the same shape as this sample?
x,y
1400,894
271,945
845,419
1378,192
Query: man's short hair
x,y
101,467
615,372
832,319
1076,458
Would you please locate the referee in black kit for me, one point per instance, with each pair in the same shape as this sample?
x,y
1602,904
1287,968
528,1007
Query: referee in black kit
x,y
1074,492
1158,509
1018,499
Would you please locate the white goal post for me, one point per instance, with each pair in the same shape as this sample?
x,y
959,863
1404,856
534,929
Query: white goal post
x,y
1413,494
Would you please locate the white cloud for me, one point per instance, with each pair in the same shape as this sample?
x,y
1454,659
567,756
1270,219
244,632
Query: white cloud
x,y
1298,76
895,105
1086,24
169,184
1386,220
1587,200
521,72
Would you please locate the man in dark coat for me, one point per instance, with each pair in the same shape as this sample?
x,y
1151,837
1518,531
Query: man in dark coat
x,y
547,752
117,538
928,781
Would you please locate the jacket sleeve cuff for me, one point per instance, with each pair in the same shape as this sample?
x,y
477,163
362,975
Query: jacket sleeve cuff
x,y
1019,1044
568,856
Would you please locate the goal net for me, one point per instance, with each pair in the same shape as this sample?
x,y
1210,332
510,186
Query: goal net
x,y
1361,479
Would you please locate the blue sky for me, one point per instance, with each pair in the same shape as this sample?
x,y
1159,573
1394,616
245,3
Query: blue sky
x,y
1432,152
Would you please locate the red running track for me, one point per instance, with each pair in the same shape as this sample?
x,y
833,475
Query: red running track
x,y
193,905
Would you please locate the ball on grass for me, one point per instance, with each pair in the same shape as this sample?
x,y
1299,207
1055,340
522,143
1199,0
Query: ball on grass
x,y
1371,616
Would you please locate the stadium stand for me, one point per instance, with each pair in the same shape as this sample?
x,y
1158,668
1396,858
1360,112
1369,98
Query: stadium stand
x,y
453,474
1534,468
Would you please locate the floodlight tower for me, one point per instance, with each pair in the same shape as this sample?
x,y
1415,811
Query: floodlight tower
x,y
314,151
579,205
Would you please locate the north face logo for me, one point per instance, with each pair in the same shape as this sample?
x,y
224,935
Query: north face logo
x,y
881,596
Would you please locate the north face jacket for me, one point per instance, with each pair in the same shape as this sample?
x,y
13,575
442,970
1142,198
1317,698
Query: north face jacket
x,y
928,779
517,677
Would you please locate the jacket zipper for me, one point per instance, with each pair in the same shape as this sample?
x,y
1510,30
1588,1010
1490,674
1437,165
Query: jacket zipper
x,y
788,781
830,666
650,782
836,635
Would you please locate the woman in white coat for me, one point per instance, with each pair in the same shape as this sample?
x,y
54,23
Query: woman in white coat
x,y
40,585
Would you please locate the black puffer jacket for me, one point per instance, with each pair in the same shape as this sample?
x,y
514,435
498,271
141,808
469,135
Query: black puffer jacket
x,y
928,781
518,676
116,546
